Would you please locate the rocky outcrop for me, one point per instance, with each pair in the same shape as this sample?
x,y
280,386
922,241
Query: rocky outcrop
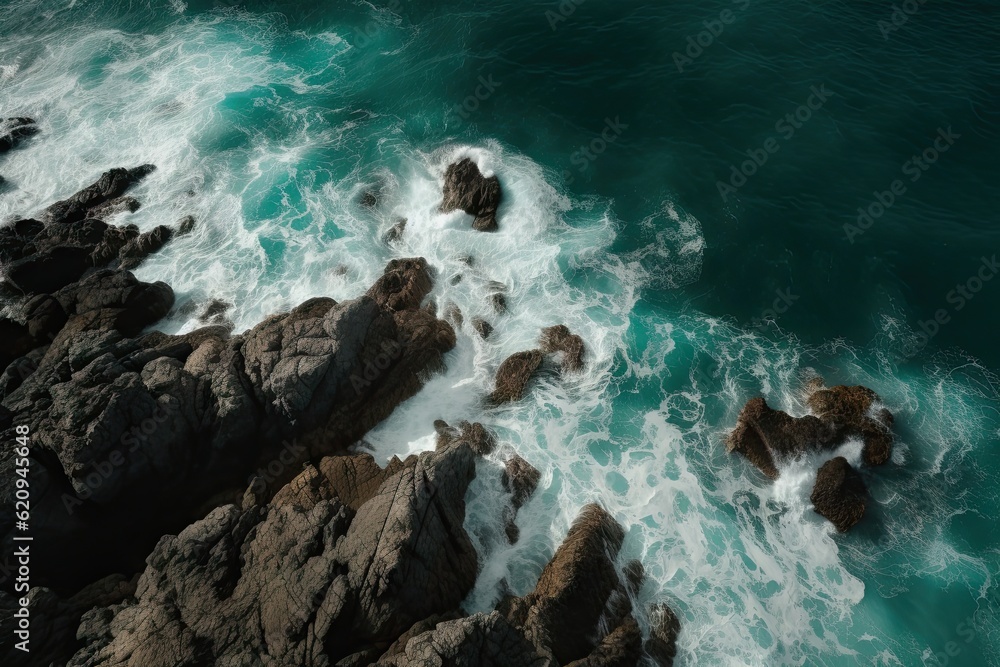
x,y
840,494
482,327
520,479
513,376
766,437
111,185
465,188
567,345
15,130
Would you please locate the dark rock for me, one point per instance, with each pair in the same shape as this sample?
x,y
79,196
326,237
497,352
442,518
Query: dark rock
x,y
664,627
110,185
514,375
482,327
475,435
15,130
49,270
15,341
520,479
849,411
404,284
467,189
840,494
114,207
560,340
45,317
453,314
369,199
622,647
185,225
136,250
499,302
483,640
215,312
561,615
765,436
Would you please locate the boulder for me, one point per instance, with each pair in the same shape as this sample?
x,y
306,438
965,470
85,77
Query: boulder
x,y
513,376
15,130
465,188
559,340
857,412
840,494
111,185
766,436
403,285
482,327
664,627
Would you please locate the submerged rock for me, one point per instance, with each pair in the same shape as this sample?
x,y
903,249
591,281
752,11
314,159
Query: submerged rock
x,y
15,130
840,494
467,189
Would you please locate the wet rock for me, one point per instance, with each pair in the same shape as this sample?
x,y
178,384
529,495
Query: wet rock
x,y
467,189
395,233
15,130
664,627
561,615
110,185
49,270
215,312
559,340
513,376
135,251
840,494
185,225
404,284
475,435
114,207
856,412
482,327
499,302
453,314
520,479
765,436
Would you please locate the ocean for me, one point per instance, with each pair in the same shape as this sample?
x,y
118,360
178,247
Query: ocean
x,y
722,198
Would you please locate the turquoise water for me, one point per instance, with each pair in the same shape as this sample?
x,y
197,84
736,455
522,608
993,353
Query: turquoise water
x,y
269,120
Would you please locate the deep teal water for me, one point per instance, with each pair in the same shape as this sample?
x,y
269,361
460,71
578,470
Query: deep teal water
x,y
275,116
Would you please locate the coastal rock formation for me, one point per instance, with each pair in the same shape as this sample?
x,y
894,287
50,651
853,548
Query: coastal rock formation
x,y
15,130
513,376
559,340
766,437
467,189
839,494
520,479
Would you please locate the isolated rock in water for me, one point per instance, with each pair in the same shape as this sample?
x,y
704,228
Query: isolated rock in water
x,y
453,314
482,327
765,436
559,339
840,494
514,374
499,302
561,615
215,312
395,233
520,479
14,130
111,184
185,225
404,284
664,627
849,410
483,640
467,189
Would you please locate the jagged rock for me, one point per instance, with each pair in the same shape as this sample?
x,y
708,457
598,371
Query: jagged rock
x,y
622,647
520,479
54,621
395,233
135,251
15,130
475,435
115,206
840,494
420,627
559,340
110,185
561,615
765,436
513,376
49,270
483,640
404,284
453,314
499,303
664,627
482,327
185,225
467,189
848,410
15,341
